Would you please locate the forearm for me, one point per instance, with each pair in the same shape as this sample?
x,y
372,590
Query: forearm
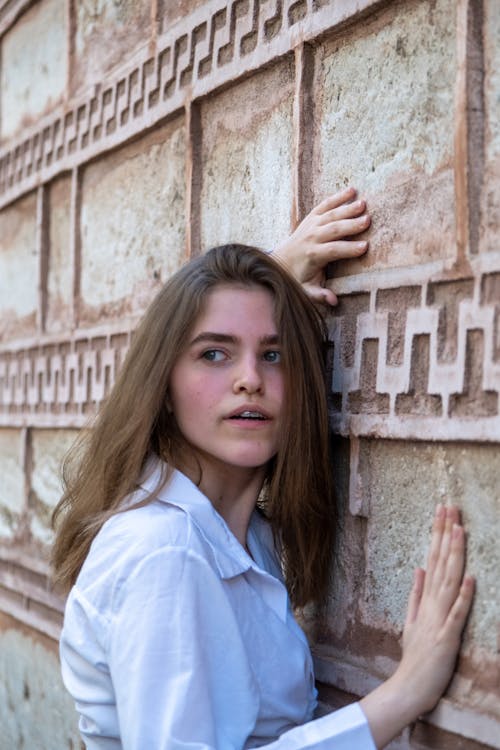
x,y
389,709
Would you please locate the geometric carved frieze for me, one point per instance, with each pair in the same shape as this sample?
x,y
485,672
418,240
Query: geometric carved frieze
x,y
59,383
408,362
423,364
216,43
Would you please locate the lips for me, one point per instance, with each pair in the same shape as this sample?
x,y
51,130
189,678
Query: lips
x,y
249,412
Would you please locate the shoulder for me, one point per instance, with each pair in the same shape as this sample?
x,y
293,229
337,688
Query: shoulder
x,y
155,535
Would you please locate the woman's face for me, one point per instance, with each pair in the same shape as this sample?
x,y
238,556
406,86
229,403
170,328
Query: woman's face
x,y
226,388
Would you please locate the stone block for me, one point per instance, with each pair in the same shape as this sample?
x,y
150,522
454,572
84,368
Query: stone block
x,y
12,492
384,118
35,709
406,481
132,224
246,193
48,450
104,32
491,186
18,268
60,268
34,65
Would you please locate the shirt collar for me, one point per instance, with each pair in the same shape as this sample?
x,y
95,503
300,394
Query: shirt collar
x,y
230,557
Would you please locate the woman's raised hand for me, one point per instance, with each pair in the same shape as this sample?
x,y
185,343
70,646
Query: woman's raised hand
x,y
326,234
439,603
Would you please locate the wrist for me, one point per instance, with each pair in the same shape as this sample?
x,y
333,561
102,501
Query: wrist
x,y
389,709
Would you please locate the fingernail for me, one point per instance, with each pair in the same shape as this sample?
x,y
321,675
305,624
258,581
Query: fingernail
x,y
456,531
362,245
439,510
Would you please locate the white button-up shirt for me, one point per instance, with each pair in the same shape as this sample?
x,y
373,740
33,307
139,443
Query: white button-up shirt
x,y
175,638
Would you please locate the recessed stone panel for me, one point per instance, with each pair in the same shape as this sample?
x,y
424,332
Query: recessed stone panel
x,y
34,57
12,485
406,482
60,269
246,158
132,224
49,448
385,123
105,31
18,268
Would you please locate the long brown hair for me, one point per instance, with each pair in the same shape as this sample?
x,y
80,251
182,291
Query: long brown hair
x,y
107,461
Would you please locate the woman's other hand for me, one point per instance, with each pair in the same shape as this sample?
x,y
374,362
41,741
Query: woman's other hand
x,y
326,234
439,604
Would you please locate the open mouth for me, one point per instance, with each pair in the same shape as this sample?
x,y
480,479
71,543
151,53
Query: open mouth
x,y
255,415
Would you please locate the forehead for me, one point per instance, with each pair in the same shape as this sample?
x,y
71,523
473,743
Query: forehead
x,y
238,305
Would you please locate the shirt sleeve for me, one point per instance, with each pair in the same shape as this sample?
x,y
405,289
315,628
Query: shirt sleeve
x,y
180,668
344,729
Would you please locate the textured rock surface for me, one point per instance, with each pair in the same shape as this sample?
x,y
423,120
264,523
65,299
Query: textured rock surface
x,y
12,485
491,199
32,83
48,450
35,710
103,30
60,265
132,224
385,118
246,157
18,268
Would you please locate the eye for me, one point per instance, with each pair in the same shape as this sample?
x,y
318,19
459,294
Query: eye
x,y
272,356
213,355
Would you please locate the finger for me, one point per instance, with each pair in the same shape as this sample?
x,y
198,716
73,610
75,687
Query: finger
x,y
437,573
331,252
321,294
345,211
335,200
415,596
337,230
435,546
453,573
458,614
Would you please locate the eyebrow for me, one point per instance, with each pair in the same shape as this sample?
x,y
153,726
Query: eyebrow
x,y
225,338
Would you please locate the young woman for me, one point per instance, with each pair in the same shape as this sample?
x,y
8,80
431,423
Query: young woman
x,y
198,512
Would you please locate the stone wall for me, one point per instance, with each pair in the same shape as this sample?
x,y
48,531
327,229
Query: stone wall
x,y
135,134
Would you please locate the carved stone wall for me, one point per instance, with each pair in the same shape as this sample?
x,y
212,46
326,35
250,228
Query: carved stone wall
x,y
133,135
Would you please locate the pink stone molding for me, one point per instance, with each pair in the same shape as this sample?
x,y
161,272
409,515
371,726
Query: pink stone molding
x,y
26,594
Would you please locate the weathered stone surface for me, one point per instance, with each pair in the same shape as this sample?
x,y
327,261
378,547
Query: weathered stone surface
x,y
170,13
385,108
35,709
401,511
18,268
34,65
491,200
132,224
246,159
60,268
103,30
12,484
48,450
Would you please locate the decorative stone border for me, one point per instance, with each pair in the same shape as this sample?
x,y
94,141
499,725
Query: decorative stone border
x,y
400,383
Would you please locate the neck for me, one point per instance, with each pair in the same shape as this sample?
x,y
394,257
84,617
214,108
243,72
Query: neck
x,y
232,491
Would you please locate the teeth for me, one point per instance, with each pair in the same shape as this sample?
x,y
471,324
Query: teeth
x,y
251,415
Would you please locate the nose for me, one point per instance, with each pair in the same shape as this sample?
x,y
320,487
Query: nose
x,y
248,376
